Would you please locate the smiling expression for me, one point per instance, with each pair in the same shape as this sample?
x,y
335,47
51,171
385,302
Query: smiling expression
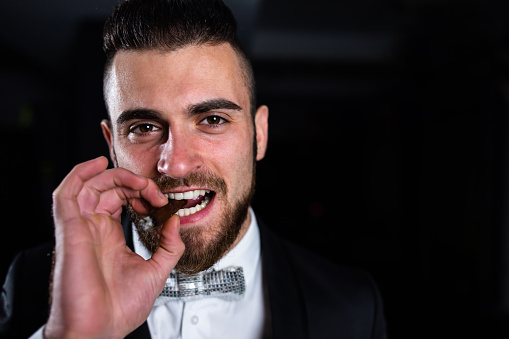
x,y
183,118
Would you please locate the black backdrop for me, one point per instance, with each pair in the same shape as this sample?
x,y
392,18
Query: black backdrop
x,y
387,146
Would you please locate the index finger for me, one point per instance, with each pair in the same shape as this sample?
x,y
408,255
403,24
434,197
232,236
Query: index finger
x,y
83,187
64,196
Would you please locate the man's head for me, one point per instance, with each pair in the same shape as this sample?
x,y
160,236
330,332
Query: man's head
x,y
179,93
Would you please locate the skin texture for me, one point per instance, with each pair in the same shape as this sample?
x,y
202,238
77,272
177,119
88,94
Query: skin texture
x,y
178,143
175,141
98,281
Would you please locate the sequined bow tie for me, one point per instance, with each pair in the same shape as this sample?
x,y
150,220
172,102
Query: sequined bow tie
x,y
227,283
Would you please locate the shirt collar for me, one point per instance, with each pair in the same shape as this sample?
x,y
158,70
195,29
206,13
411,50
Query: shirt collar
x,y
246,253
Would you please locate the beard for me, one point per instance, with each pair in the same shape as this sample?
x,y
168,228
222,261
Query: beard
x,y
204,244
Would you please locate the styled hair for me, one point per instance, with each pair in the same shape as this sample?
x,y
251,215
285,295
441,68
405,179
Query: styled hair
x,y
169,25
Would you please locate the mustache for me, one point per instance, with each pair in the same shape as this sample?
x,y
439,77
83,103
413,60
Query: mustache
x,y
197,179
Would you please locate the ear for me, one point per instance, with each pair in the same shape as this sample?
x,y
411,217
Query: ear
x,y
108,135
262,131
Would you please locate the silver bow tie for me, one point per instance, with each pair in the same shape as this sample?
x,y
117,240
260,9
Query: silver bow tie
x,y
227,283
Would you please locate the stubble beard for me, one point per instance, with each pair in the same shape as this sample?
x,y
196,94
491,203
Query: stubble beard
x,y
204,244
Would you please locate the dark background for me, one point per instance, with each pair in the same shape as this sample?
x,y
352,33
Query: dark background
x,y
387,148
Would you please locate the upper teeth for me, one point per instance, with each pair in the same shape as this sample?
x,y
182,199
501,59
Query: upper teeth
x,y
187,195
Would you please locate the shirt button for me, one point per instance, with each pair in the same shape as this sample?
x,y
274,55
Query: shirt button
x,y
194,319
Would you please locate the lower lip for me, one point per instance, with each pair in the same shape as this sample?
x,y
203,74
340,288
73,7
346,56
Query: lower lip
x,y
198,215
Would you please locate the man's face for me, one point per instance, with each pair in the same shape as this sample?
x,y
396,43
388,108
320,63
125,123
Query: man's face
x,y
182,118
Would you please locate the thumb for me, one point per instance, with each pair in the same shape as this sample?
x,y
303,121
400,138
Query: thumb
x,y
170,248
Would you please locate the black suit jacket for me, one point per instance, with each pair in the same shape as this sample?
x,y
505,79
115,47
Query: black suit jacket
x,y
309,296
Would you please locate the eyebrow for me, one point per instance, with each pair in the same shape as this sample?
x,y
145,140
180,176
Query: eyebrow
x,y
213,104
199,108
138,113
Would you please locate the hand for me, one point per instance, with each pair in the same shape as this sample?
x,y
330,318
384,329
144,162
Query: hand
x,y
101,289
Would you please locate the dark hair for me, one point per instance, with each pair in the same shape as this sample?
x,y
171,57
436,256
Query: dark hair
x,y
170,25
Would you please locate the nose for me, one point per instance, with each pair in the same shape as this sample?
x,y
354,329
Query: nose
x,y
179,155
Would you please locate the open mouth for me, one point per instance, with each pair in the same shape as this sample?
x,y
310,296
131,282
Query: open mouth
x,y
196,201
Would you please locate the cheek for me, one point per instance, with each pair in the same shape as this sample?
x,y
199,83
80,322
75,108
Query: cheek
x,y
138,160
237,163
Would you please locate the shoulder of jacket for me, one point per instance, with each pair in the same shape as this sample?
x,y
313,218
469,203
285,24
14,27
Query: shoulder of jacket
x,y
24,301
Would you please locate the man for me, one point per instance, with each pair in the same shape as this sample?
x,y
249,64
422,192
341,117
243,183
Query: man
x,y
183,125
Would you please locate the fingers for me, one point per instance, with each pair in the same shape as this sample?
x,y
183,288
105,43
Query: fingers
x,y
170,248
96,275
110,200
73,182
64,197
91,188
117,186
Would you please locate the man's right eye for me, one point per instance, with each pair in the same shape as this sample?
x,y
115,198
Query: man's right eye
x,y
143,128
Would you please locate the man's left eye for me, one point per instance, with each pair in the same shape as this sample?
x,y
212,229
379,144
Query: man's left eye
x,y
213,120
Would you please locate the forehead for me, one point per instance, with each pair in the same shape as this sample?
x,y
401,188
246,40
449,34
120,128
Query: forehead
x,y
174,79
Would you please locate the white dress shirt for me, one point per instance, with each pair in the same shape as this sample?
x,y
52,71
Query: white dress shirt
x,y
214,317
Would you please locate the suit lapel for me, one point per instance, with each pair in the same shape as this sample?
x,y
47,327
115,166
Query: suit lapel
x,y
287,308
141,332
